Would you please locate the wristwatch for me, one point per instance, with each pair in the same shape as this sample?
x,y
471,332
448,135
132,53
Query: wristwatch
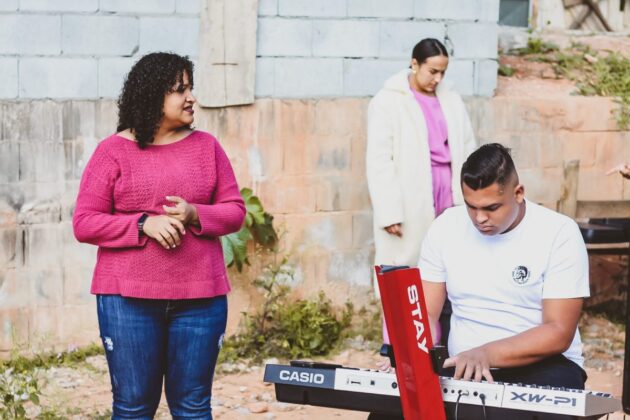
x,y
141,221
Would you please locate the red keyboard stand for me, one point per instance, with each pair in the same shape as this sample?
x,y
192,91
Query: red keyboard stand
x,y
408,325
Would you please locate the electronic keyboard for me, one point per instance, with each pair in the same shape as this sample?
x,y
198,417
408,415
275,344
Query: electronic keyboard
x,y
378,392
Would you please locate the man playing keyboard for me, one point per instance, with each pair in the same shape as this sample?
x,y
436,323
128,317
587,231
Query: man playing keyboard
x,y
516,274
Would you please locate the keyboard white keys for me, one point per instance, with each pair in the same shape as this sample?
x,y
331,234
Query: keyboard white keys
x,y
531,398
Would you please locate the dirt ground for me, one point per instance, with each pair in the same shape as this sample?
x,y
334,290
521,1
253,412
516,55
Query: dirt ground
x,y
538,79
240,393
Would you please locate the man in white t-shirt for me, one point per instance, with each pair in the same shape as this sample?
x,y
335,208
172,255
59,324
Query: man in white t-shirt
x,y
516,274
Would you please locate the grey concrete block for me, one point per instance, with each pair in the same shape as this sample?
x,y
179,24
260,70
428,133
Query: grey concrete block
x,y
42,162
111,75
79,119
397,39
47,287
40,212
59,5
45,121
284,37
76,254
99,35
489,10
308,77
76,284
365,77
267,7
15,327
30,191
469,10
25,34
474,40
362,230
58,78
312,8
43,246
77,153
8,246
9,162
8,213
486,77
264,85
12,195
15,291
106,119
9,77
81,153
345,38
8,5
145,6
14,119
353,267
188,6
380,8
69,168
69,200
462,73
176,34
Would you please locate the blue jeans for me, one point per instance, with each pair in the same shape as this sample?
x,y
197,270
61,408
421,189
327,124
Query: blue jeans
x,y
146,340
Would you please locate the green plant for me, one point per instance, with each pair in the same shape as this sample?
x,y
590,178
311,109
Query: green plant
x,y
286,328
622,113
505,70
18,378
258,227
71,358
537,46
16,389
367,322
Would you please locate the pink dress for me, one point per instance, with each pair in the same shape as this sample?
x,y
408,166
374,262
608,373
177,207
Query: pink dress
x,y
440,152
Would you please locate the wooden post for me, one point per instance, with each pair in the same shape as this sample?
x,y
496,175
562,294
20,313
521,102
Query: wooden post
x,y
568,193
227,56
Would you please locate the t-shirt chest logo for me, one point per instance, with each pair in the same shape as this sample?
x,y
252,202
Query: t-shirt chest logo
x,y
520,274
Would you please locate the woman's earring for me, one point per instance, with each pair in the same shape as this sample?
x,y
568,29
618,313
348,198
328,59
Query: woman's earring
x,y
413,71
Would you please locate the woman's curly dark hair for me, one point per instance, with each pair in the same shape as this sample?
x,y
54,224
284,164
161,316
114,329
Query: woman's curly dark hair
x,y
141,102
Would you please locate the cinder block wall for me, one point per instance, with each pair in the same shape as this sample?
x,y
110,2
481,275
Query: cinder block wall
x,y
349,47
301,146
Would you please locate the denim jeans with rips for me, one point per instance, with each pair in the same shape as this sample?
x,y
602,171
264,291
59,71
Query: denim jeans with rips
x,y
148,340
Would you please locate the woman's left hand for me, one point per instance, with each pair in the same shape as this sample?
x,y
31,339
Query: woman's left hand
x,y
182,211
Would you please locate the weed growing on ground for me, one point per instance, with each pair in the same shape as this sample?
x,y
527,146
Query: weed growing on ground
x,y
284,327
366,322
287,328
537,46
506,70
71,358
16,389
19,379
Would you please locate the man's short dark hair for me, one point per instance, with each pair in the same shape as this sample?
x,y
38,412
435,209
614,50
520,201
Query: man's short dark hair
x,y
488,164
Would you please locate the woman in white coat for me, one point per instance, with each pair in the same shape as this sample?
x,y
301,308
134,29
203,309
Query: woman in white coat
x,y
419,135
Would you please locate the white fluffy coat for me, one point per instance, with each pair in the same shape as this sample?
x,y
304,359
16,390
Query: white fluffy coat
x,y
399,165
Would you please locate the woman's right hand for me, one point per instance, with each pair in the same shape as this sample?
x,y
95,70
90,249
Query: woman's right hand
x,y
166,230
395,229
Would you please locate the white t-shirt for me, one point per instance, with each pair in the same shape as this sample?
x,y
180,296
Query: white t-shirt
x,y
496,284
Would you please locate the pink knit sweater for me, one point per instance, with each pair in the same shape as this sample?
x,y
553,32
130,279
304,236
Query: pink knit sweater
x,y
121,182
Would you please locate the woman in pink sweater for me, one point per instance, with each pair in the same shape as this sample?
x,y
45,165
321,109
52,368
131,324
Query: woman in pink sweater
x,y
155,198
